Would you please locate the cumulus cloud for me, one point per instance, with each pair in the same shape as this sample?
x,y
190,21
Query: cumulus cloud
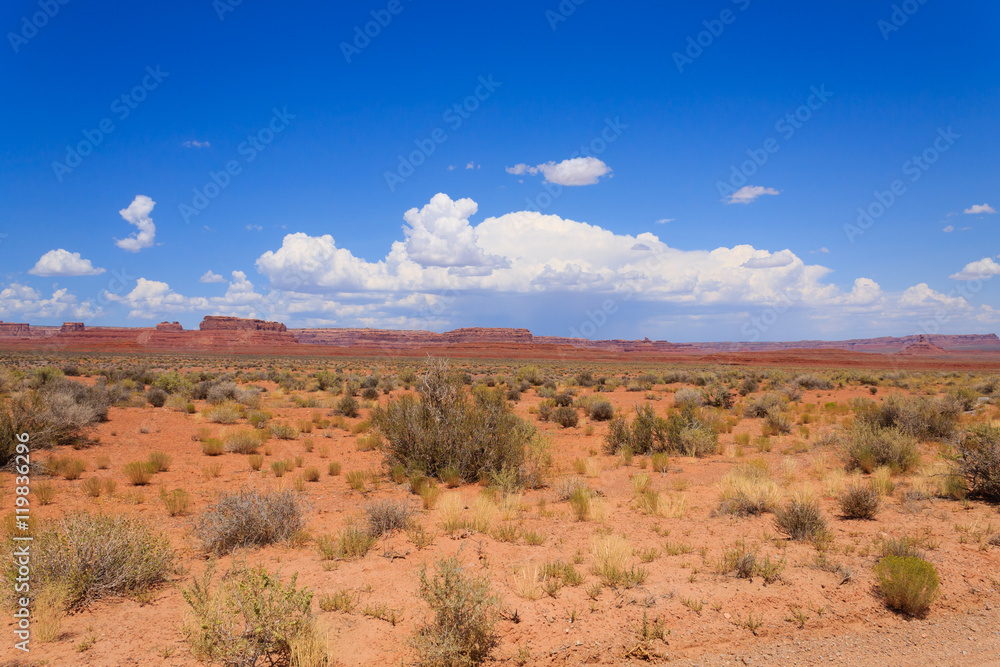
x,y
748,193
766,260
137,214
439,234
64,263
979,208
196,144
574,171
26,303
210,277
978,270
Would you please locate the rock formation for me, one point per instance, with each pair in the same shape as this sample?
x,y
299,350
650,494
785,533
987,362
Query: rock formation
x,y
223,323
14,329
169,326
922,346
71,327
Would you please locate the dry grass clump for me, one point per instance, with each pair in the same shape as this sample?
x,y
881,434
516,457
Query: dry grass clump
x,y
351,543
248,518
748,490
282,431
917,416
800,518
251,617
245,441
611,555
860,501
138,473
95,556
462,630
227,413
908,584
177,502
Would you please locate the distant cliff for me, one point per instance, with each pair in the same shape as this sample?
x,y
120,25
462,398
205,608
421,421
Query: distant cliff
x,y
217,323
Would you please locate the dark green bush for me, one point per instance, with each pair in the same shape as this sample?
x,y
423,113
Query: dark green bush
x,y
347,406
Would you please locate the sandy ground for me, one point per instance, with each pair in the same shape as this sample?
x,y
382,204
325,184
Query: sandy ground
x,y
808,616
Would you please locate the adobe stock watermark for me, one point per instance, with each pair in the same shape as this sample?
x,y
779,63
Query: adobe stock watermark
x,y
363,35
913,169
900,14
30,25
122,107
223,7
609,134
562,12
786,127
696,44
453,117
248,150
21,535
760,323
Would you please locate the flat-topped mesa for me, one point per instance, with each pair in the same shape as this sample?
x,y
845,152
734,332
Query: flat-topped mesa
x,y
224,323
169,326
14,329
72,327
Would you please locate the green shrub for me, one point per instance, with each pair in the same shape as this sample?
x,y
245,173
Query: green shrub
x,y
248,518
226,413
462,630
978,460
917,416
250,618
97,556
347,406
443,428
908,584
870,446
565,416
601,411
246,441
282,431
761,405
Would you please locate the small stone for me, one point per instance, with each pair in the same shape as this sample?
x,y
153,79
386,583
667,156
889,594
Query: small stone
x,y
726,615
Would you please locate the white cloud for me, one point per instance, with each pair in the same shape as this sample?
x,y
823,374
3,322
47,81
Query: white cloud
x,y
571,172
254,228
978,270
979,208
748,193
152,299
663,221
439,234
822,251
766,260
210,277
922,296
196,144
26,303
137,214
949,229
64,263
472,165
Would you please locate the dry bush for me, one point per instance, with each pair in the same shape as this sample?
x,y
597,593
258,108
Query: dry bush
x,y
462,630
978,460
156,397
908,584
227,413
138,473
248,518
388,516
760,406
54,414
870,446
611,555
565,416
918,416
250,618
97,556
800,518
860,501
177,501
283,431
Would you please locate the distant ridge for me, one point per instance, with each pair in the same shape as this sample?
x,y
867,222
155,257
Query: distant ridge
x,y
217,333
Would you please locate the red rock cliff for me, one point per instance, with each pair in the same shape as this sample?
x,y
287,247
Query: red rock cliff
x,y
221,323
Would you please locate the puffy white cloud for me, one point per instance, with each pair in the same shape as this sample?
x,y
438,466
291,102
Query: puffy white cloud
x,y
64,263
979,208
210,277
573,171
26,303
922,296
978,270
439,234
151,299
766,260
137,214
748,193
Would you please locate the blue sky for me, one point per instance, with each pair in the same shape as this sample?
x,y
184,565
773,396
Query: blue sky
x,y
686,172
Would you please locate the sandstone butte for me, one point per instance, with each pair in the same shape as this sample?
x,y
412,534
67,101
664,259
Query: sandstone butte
x,y
251,336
